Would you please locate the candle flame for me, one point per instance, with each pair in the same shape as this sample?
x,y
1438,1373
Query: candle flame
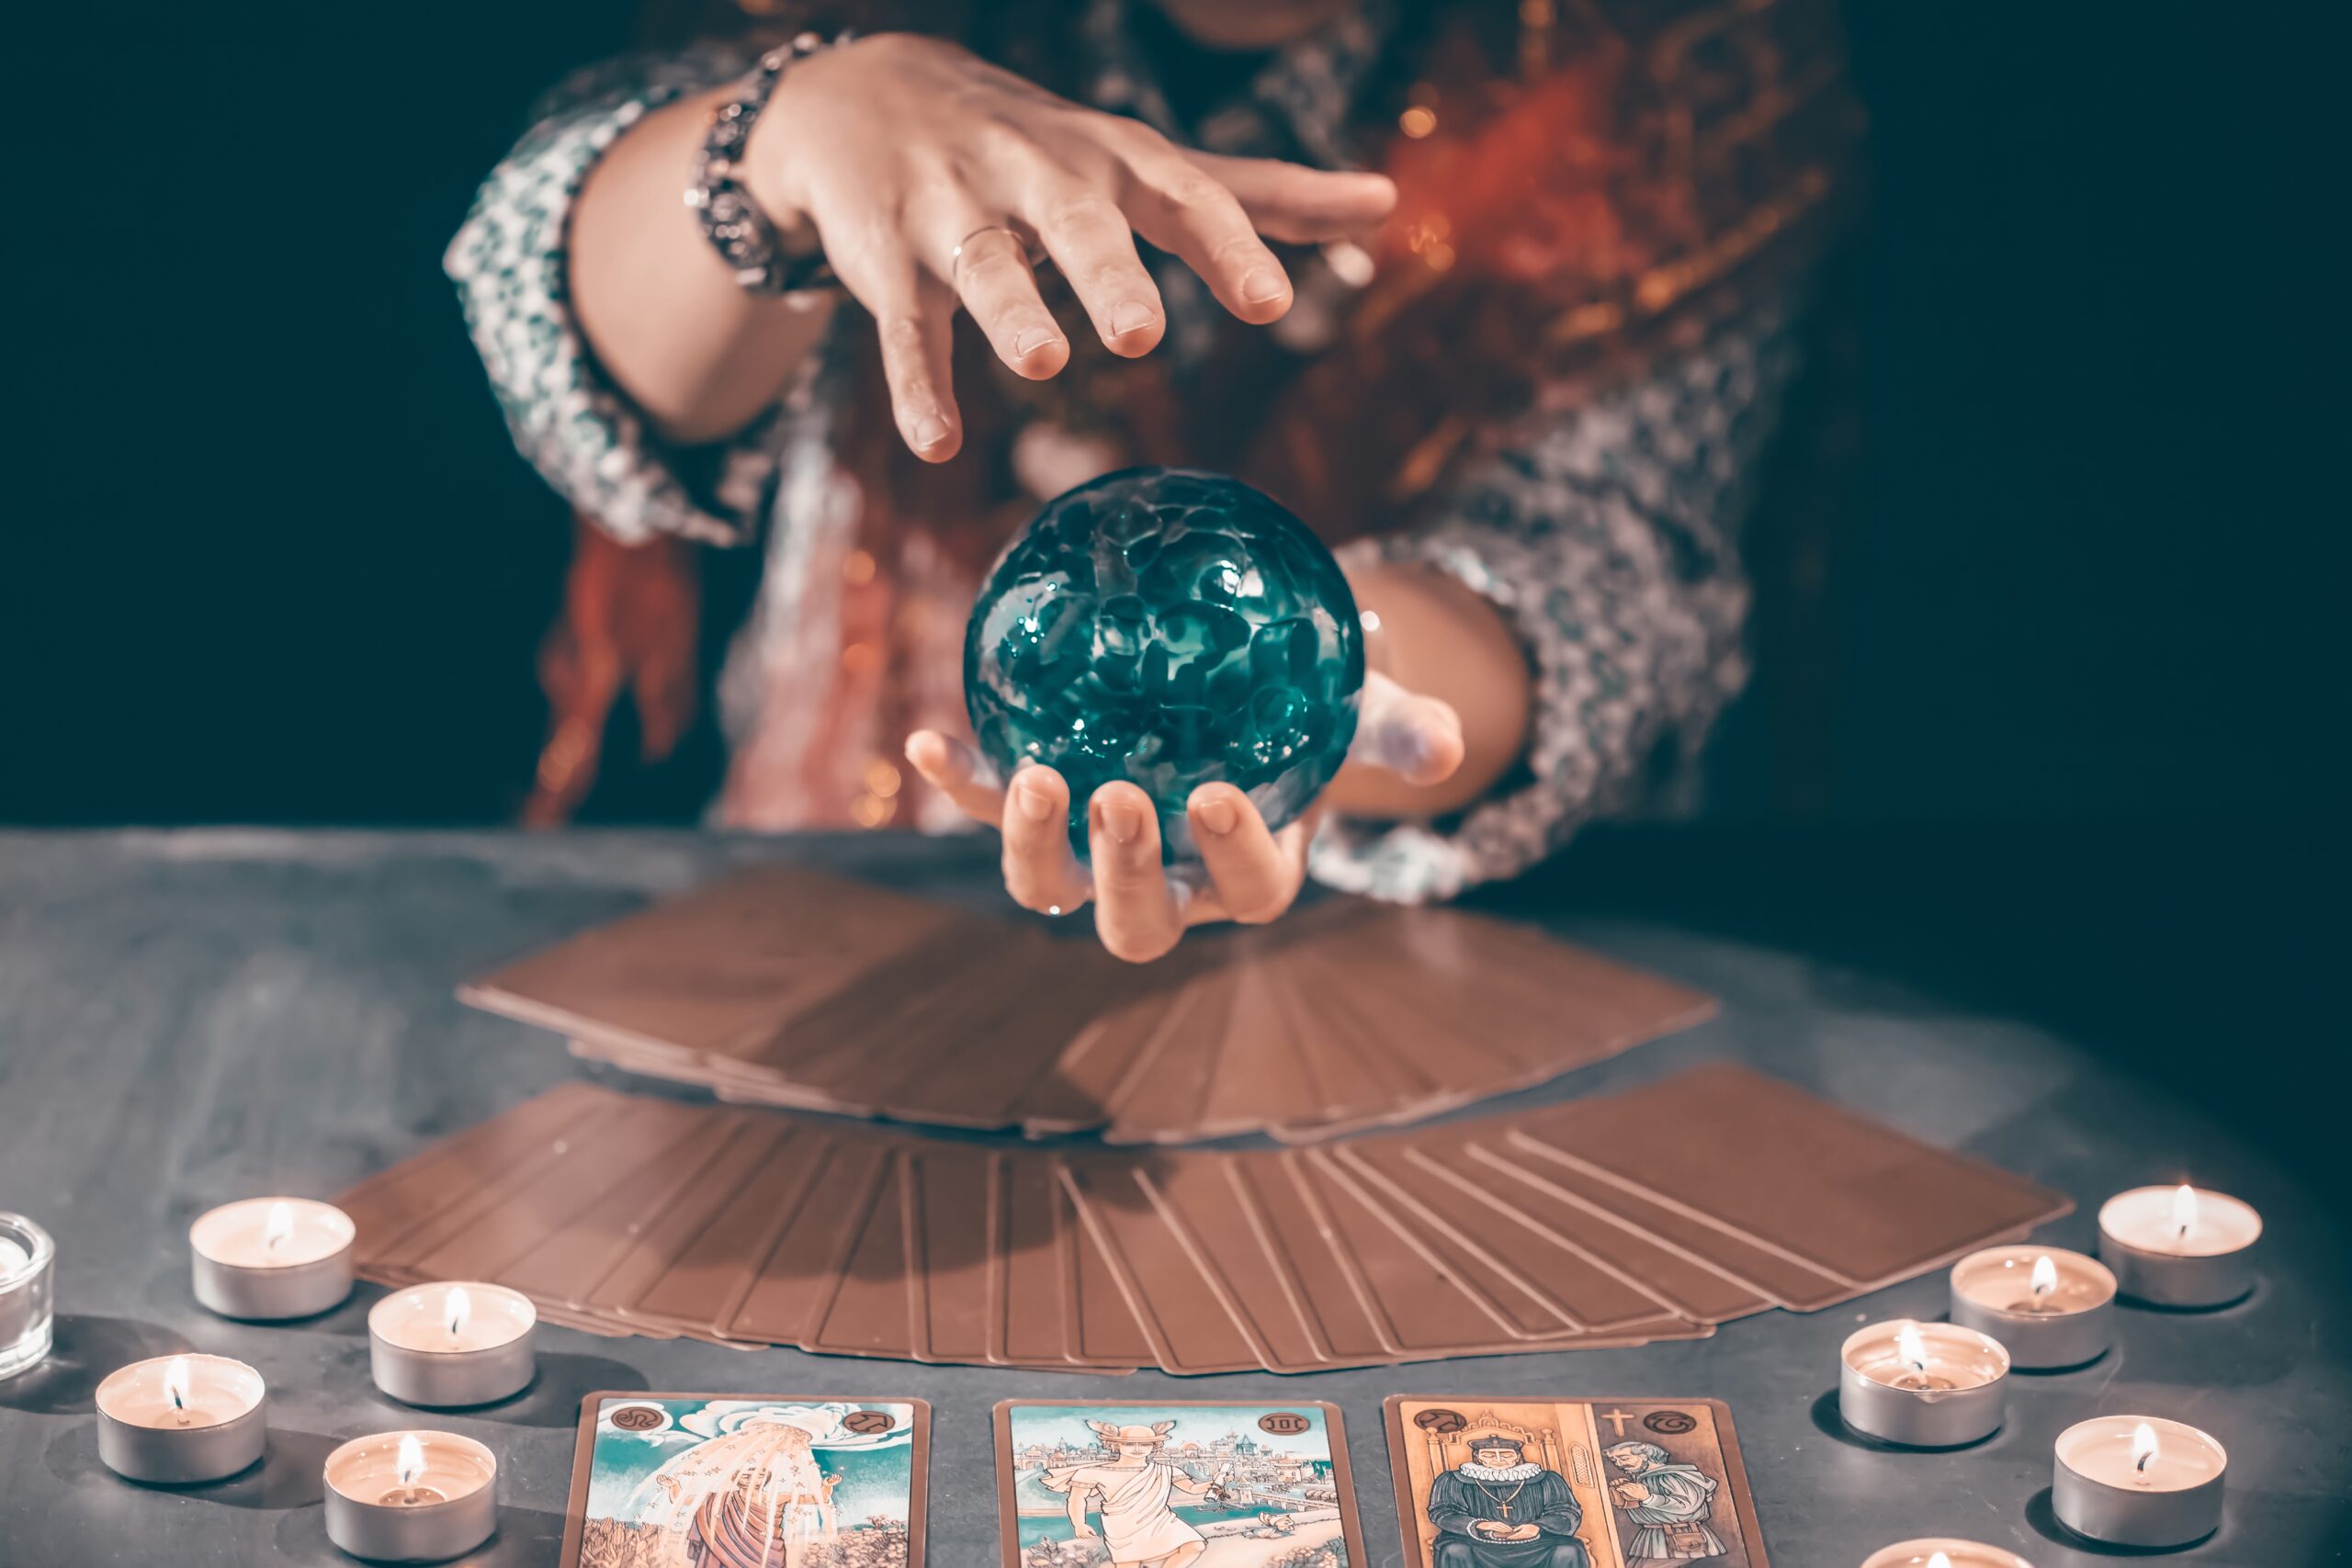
x,y
1912,1346
279,1227
2045,1275
2183,1209
2143,1442
410,1465
176,1380
462,1307
1938,1560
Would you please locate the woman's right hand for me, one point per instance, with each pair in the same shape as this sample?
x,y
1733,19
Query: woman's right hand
x,y
900,151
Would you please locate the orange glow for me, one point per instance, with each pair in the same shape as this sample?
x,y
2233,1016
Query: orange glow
x,y
857,568
1417,121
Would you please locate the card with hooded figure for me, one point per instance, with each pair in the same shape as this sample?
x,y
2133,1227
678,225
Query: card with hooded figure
x,y
747,1480
1515,1483
1174,1484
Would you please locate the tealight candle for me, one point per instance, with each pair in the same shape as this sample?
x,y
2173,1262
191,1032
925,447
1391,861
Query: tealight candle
x,y
180,1419
411,1496
1943,1553
2137,1480
27,1256
452,1344
2047,1306
2179,1245
266,1259
1924,1385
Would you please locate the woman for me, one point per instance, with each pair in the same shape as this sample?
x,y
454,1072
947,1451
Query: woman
x,y
1518,373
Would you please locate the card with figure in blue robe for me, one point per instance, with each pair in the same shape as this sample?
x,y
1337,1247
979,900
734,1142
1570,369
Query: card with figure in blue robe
x,y
1514,1483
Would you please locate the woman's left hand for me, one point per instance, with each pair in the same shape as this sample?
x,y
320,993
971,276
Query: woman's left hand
x,y
1248,873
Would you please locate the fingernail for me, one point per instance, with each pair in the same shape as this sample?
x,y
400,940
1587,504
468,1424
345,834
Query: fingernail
x,y
1130,318
1035,803
1120,819
1262,284
1029,341
1216,815
1401,749
930,431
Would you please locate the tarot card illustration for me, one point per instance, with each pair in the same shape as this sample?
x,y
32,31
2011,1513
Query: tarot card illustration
x,y
711,1481
1174,1486
1570,1483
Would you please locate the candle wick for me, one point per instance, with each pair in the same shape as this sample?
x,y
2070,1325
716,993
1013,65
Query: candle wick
x,y
2140,1465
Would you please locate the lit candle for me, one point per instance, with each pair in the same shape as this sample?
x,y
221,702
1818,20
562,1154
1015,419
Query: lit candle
x,y
411,1496
179,1419
2179,1245
267,1258
1924,1385
1942,1553
2047,1306
2138,1481
27,1256
452,1344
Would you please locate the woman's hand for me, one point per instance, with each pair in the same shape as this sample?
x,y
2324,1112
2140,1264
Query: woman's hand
x,y
928,174
1253,875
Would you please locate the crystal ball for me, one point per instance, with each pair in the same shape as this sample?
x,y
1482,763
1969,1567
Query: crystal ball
x,y
1172,628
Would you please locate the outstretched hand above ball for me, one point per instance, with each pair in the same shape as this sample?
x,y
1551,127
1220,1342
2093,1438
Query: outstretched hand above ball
x,y
1246,873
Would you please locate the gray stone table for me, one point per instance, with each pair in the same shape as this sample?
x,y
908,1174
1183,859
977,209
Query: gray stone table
x,y
191,1017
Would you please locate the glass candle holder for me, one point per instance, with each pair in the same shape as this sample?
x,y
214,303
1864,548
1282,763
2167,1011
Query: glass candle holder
x,y
27,1300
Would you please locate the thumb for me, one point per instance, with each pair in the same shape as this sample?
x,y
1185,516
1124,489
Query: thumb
x,y
1416,738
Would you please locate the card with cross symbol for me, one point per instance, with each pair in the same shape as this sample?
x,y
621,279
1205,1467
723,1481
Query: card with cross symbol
x,y
1513,1482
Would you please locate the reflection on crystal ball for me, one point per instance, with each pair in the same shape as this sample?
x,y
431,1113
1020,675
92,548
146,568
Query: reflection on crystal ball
x,y
1172,628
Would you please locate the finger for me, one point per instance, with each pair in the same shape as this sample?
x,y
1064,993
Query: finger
x,y
1297,205
1184,210
1088,237
992,275
1040,872
912,317
1256,881
954,770
1135,910
1416,738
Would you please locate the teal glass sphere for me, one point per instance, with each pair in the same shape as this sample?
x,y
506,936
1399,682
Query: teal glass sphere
x,y
1172,628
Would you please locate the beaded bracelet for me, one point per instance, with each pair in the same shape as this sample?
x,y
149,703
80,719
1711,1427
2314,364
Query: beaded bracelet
x,y
745,237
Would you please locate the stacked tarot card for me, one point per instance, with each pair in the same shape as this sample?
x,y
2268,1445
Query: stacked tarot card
x,y
1654,1213
788,987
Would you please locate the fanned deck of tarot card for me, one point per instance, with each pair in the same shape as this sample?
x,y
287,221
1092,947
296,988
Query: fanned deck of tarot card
x,y
792,989
1654,1213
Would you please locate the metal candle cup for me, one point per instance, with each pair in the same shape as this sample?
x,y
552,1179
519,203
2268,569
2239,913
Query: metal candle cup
x,y
28,1272
1943,1553
462,1343
176,1420
411,1496
2181,1246
264,1259
2047,1306
2138,1481
1923,1385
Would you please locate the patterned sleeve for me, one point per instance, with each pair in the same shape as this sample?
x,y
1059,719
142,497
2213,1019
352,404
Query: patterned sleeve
x,y
509,264
1607,538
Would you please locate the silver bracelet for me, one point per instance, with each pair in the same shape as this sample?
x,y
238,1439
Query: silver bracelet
x,y
744,236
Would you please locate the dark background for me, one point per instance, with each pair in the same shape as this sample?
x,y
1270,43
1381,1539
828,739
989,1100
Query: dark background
x,y
2050,609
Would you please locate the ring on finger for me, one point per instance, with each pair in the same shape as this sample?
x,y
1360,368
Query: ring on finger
x,y
1032,252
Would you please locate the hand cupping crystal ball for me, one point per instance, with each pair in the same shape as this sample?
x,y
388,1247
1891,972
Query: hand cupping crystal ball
x,y
1172,628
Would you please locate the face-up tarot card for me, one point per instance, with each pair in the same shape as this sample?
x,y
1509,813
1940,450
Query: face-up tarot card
x,y
1592,1483
747,1480
1174,1484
